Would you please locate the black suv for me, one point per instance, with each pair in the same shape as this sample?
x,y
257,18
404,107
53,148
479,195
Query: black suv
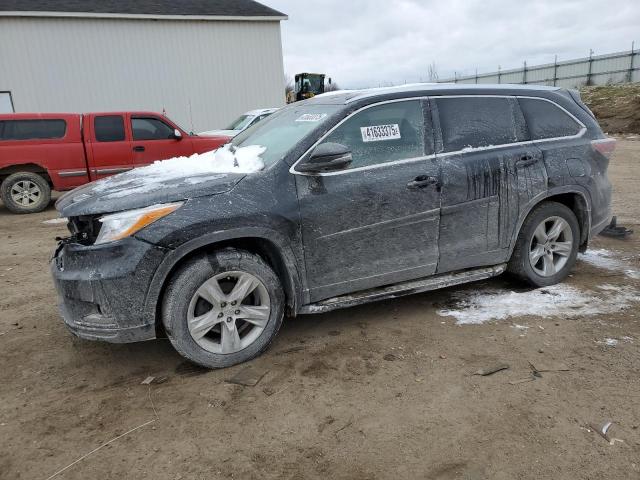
x,y
363,195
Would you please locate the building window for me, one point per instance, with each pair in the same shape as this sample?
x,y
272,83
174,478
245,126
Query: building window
x,y
6,103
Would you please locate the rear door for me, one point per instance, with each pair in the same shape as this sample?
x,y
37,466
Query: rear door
x,y
109,150
153,139
376,222
488,168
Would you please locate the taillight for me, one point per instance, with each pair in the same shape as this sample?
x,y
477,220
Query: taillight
x,y
604,146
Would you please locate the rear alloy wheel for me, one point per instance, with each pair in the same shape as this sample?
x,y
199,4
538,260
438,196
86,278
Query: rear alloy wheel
x,y
551,246
223,308
547,245
25,192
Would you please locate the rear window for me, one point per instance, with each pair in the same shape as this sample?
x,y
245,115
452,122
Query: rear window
x,y
32,129
547,120
475,122
109,128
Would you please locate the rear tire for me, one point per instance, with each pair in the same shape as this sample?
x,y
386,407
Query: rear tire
x,y
25,192
547,245
223,308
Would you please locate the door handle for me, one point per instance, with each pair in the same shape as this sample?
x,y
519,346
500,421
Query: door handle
x,y
138,148
422,181
526,161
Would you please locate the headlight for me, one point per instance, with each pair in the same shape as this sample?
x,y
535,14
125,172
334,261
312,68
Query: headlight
x,y
123,224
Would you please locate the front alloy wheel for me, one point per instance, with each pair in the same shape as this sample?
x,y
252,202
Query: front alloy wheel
x,y
228,312
223,308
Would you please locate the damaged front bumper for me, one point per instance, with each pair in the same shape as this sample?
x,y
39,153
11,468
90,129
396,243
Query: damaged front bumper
x,y
102,288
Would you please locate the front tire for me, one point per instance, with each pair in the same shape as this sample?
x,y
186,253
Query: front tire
x,y
223,308
547,245
25,192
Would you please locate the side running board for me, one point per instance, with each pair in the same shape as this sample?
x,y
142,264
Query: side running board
x,y
404,288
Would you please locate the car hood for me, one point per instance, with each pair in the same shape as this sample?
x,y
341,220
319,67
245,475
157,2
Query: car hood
x,y
220,133
120,193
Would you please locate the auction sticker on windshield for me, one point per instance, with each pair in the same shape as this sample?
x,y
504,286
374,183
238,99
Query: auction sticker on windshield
x,y
311,117
380,132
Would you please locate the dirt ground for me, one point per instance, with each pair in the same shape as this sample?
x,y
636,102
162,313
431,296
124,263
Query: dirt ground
x,y
372,392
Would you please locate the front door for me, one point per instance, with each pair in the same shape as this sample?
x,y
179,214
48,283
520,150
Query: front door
x,y
484,153
153,139
376,222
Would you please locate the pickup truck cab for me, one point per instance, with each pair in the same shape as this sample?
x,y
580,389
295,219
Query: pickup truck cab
x,y
40,152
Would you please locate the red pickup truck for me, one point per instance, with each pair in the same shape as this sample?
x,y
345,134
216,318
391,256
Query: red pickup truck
x,y
61,151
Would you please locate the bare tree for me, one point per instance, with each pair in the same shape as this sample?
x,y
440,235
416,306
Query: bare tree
x,y
331,87
432,72
288,85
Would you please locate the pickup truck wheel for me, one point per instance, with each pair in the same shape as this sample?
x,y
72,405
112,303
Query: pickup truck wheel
x,y
25,192
547,245
223,308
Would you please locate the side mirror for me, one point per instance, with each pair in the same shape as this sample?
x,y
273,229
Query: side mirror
x,y
177,135
325,158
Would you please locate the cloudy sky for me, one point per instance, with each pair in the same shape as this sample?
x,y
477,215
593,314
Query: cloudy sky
x,y
361,43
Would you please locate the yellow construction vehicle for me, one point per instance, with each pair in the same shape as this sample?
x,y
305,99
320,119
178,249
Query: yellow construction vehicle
x,y
307,85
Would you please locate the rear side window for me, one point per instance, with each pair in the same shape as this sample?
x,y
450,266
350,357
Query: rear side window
x,y
393,131
150,129
475,122
32,129
547,120
109,128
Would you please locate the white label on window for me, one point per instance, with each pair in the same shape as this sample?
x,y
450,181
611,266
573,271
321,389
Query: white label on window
x,y
380,132
311,117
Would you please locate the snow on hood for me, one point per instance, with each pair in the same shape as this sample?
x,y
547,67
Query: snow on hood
x,y
194,169
165,181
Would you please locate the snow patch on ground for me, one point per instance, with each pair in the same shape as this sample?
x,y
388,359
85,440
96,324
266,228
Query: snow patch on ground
x,y
613,342
605,259
55,221
556,301
195,169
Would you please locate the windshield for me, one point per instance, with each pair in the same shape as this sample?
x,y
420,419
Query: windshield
x,y
241,123
281,132
309,84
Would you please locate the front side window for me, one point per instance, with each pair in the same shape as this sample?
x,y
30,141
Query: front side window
x,y
109,128
32,129
383,133
476,122
147,128
547,120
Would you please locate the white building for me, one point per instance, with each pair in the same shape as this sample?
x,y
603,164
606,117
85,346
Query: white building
x,y
203,62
